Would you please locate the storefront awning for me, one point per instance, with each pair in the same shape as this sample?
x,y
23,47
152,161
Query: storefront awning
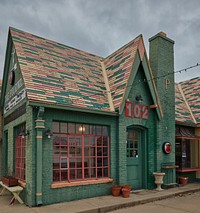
x,y
184,132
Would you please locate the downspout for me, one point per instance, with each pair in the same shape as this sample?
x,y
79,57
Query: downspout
x,y
39,126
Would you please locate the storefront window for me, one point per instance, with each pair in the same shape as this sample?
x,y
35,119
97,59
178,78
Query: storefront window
x,y
80,152
187,153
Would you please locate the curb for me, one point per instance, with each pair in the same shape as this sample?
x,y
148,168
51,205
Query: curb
x,y
139,202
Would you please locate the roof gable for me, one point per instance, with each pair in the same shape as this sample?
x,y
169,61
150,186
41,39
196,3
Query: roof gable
x,y
119,67
190,93
57,74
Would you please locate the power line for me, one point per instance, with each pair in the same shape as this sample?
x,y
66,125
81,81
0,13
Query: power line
x,y
144,81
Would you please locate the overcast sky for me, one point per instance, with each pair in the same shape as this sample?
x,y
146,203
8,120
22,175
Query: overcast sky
x,y
103,26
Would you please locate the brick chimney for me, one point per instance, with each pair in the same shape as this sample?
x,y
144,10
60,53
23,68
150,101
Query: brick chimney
x,y
161,57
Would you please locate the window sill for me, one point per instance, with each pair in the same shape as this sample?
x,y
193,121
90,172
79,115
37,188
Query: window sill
x,y
80,183
188,170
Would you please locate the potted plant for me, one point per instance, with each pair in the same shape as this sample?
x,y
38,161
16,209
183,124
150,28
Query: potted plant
x,y
116,190
183,180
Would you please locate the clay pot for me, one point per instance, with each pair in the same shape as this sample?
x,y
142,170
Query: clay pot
x,y
127,187
116,190
183,180
126,192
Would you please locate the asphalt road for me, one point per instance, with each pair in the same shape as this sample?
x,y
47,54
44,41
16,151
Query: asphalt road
x,y
189,203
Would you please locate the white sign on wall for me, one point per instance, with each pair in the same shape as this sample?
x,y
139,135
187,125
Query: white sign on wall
x,y
15,100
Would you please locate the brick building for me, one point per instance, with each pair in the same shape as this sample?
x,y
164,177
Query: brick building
x,y
75,123
188,128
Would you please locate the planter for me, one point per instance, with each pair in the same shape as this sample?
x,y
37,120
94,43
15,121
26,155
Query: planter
x,y
116,190
126,192
9,181
159,179
127,187
183,180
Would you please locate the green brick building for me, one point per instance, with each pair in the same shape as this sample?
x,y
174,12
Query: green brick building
x,y
74,123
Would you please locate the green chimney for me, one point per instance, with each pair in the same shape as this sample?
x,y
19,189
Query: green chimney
x,y
161,58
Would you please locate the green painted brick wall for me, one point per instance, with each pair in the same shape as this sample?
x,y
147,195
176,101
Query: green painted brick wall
x,y
51,195
162,64
139,87
28,193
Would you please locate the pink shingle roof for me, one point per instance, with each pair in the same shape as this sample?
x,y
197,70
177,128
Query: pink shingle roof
x,y
188,101
54,73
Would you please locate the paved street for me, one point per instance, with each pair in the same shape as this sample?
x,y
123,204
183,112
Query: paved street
x,y
179,204
175,200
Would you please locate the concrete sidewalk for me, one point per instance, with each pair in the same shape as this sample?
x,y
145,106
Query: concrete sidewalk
x,y
100,204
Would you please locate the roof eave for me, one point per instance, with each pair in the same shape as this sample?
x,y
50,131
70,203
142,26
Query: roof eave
x,y
71,108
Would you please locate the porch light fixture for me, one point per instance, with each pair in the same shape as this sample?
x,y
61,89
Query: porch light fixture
x,y
48,133
139,98
24,133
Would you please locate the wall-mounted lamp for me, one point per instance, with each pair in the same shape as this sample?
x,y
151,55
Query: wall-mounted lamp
x,y
48,133
24,133
139,98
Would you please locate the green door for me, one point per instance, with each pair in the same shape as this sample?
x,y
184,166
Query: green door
x,y
134,158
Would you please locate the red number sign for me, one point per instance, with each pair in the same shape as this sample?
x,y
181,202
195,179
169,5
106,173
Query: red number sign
x,y
136,111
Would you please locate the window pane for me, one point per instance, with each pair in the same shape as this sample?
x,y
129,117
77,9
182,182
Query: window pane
x,y
87,129
99,172
64,175
92,129
79,174
86,140
71,128
93,173
56,175
55,126
64,163
105,131
72,174
98,130
105,141
63,127
105,172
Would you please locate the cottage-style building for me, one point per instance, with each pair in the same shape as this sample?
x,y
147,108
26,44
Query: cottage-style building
x,y
74,123
188,128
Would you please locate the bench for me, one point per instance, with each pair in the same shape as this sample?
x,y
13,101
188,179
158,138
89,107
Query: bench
x,y
15,190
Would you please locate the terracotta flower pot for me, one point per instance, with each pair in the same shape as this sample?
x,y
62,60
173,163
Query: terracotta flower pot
x,y
116,190
126,192
183,180
127,187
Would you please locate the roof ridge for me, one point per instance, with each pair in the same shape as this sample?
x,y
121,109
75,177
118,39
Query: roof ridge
x,y
183,82
184,98
125,45
110,100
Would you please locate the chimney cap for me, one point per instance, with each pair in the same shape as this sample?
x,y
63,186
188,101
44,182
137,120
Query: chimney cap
x,y
161,33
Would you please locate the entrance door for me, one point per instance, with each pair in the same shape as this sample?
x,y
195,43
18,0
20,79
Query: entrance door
x,y
134,158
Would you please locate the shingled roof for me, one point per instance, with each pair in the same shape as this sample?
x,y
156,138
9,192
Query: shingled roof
x,y
54,73
188,101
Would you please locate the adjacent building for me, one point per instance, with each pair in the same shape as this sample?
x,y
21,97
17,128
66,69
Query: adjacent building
x,y
188,128
74,123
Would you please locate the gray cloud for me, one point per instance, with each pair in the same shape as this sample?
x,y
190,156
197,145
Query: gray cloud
x,y
101,27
